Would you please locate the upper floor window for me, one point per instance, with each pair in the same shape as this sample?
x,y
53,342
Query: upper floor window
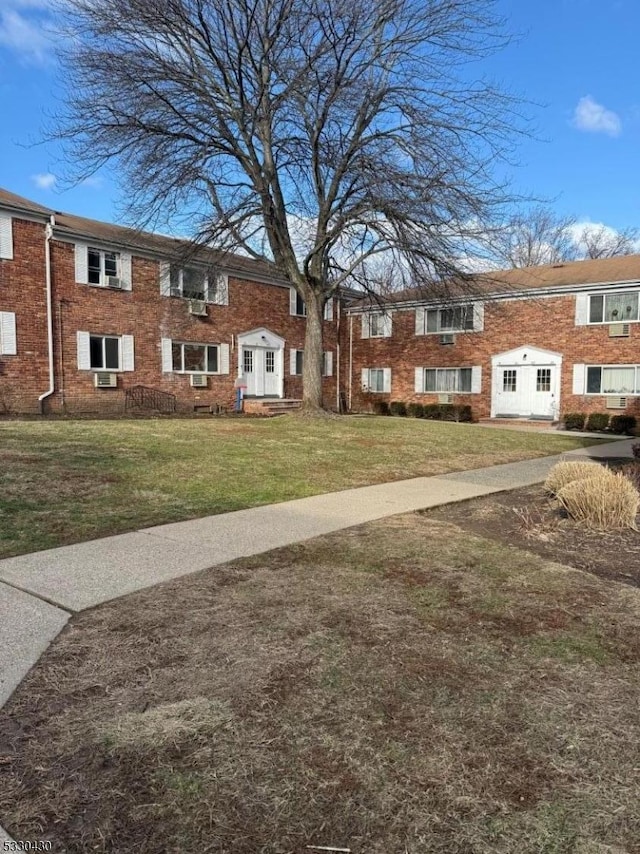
x,y
455,319
613,308
103,268
297,305
193,282
376,324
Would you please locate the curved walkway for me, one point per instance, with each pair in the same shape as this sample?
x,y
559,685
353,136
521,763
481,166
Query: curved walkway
x,y
40,591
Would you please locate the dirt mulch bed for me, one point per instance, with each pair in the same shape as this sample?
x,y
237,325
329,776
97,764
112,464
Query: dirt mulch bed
x,y
531,520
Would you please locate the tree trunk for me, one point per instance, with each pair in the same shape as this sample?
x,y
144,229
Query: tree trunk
x,y
312,363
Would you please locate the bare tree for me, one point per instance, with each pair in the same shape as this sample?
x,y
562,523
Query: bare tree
x,y
600,241
533,237
362,121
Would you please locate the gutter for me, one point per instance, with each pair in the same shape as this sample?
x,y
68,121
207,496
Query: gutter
x,y
47,261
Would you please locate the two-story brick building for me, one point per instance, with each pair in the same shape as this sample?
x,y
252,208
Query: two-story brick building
x,y
528,343
92,313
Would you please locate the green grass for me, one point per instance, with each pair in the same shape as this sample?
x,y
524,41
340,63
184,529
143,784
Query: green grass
x,y
68,481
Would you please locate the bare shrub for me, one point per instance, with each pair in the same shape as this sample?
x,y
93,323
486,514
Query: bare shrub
x,y
605,502
564,473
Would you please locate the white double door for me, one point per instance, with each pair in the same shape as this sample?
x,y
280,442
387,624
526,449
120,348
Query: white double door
x,y
526,384
262,369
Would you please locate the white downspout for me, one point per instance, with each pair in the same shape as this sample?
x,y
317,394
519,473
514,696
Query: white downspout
x,y
47,262
350,357
339,317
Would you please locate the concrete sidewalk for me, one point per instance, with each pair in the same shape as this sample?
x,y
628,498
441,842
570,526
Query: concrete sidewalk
x,y
40,591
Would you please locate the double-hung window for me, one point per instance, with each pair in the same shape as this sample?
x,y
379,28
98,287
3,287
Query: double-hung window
x,y
455,319
613,379
447,379
376,379
104,353
188,282
195,358
300,309
613,308
102,266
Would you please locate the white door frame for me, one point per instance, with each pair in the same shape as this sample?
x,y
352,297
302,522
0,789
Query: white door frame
x,y
521,357
263,339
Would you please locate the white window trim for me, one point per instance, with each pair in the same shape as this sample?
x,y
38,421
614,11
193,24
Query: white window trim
x,y
294,296
293,360
475,375
123,266
387,324
197,344
118,338
477,313
605,294
103,276
386,380
611,393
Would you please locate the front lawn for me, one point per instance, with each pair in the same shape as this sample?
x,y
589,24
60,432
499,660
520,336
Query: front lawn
x,y
67,481
398,687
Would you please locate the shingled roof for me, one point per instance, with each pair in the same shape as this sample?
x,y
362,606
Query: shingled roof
x,y
71,226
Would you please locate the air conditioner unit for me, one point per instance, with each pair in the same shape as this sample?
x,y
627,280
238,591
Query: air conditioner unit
x,y
445,398
114,282
619,330
101,380
448,338
198,307
616,402
199,380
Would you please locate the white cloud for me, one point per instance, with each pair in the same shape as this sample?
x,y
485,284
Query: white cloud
x,y
23,30
593,117
44,180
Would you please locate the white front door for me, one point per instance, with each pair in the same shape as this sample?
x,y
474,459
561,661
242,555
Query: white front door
x,y
262,368
526,391
526,383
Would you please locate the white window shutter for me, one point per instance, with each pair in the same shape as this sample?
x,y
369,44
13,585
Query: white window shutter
x,y
125,270
6,237
578,379
365,379
220,295
167,356
328,309
386,379
420,313
328,363
127,353
84,351
476,379
478,317
292,300
419,380
82,263
365,325
8,339
165,281
292,362
387,324
582,310
224,359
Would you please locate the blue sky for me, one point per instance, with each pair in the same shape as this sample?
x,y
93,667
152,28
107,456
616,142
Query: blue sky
x,y
574,60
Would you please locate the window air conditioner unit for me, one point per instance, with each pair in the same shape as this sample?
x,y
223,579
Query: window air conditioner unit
x,y
619,330
199,380
198,307
103,380
445,398
114,282
448,338
616,403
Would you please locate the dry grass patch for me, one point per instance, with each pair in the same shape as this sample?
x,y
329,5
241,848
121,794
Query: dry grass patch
x,y
398,687
567,472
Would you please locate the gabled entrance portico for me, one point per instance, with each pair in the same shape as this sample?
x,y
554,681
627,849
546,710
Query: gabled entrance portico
x,y
261,362
525,383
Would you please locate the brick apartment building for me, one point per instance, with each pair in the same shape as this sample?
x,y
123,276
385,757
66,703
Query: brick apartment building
x,y
92,315
531,343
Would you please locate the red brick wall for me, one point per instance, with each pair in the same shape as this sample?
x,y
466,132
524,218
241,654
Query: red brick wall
x,y
25,376
547,323
141,312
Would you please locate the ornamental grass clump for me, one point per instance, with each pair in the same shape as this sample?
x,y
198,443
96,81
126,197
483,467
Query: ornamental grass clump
x,y
605,502
563,473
